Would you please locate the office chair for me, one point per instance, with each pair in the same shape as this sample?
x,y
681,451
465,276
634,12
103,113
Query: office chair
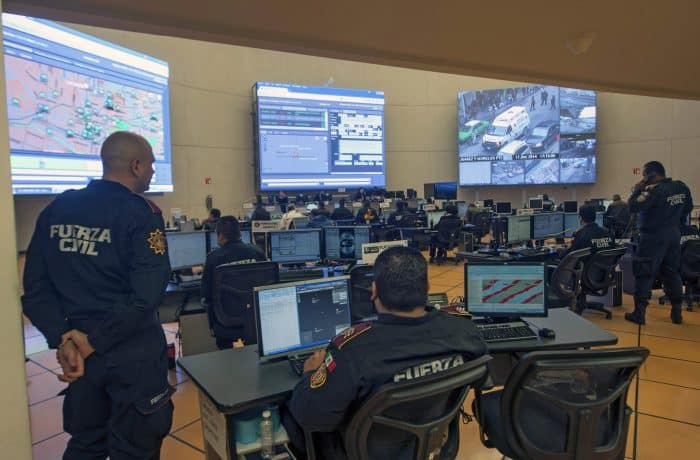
x,y
361,304
559,405
231,314
447,238
482,224
598,274
410,419
564,282
690,272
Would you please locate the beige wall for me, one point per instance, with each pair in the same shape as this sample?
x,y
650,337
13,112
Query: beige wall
x,y
212,127
15,441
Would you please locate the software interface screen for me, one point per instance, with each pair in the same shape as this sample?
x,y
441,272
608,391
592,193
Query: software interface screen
x,y
295,247
319,137
517,290
302,316
518,228
186,249
345,242
68,91
571,224
547,225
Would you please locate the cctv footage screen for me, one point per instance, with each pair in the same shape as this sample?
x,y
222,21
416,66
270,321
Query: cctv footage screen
x,y
312,138
527,135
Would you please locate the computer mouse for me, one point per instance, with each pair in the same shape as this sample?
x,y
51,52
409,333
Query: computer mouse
x,y
547,333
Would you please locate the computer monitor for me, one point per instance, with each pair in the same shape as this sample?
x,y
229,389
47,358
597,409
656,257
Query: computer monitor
x,y
599,218
488,203
345,243
571,224
505,289
186,249
518,229
295,246
462,207
547,225
434,217
535,203
570,206
296,318
503,208
429,190
445,190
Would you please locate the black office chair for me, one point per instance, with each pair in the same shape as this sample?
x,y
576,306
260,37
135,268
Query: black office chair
x,y
482,224
598,274
564,283
381,428
559,405
447,238
690,272
231,314
361,304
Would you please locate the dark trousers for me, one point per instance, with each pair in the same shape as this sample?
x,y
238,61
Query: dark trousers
x,y
121,407
658,253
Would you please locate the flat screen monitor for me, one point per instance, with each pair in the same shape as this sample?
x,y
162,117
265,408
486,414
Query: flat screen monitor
x,y
186,249
66,92
599,218
547,225
296,318
504,289
527,135
571,224
503,208
570,206
434,217
462,208
519,229
445,190
535,203
295,246
428,191
318,138
488,203
345,243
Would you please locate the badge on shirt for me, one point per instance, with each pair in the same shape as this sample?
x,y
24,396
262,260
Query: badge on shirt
x,y
318,378
156,241
329,362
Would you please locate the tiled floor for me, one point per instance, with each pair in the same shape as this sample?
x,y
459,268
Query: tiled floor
x,y
669,399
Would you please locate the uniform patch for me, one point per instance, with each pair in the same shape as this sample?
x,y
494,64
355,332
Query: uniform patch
x,y
318,378
329,362
350,333
156,241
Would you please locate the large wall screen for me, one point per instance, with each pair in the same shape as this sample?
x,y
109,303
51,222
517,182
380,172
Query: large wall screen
x,y
319,137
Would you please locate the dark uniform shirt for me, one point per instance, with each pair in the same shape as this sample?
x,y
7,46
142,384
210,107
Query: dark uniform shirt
x,y
368,355
592,236
260,214
395,218
233,251
341,213
319,221
97,254
367,214
663,207
689,232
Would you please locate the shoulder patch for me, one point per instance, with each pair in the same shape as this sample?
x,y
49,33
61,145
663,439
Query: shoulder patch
x,y
456,310
157,242
318,378
350,333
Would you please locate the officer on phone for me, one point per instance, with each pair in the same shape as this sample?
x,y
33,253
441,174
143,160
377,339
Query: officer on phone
x,y
661,203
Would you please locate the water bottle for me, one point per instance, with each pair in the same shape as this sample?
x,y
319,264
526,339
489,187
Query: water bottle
x,y
266,434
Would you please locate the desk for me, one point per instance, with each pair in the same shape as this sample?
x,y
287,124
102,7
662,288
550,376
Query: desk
x,y
476,257
234,380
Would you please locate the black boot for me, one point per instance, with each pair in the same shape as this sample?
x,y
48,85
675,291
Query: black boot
x,y
637,316
676,314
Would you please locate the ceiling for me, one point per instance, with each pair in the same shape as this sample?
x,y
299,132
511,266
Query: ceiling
x,y
639,47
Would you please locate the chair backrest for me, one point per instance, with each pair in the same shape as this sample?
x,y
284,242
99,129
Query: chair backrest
x,y
482,223
449,231
565,281
406,220
361,304
599,269
231,312
381,428
580,394
690,260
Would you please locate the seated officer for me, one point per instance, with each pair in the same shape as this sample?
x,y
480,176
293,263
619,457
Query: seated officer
x,y
367,214
260,213
407,339
590,234
401,210
689,232
450,215
210,222
319,219
341,212
231,249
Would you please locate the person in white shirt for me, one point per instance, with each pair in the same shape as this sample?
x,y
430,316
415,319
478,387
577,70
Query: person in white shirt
x,y
291,213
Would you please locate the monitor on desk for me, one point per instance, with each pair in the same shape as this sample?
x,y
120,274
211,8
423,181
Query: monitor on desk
x,y
345,242
506,290
599,218
571,224
434,217
547,225
570,206
488,203
503,208
295,246
462,207
186,249
296,318
535,203
518,229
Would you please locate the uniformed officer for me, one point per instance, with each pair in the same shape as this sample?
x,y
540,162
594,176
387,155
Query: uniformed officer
x,y
366,214
451,215
590,234
689,232
661,203
96,271
406,342
231,249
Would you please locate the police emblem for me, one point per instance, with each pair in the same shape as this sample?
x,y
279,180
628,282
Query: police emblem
x,y
156,241
318,378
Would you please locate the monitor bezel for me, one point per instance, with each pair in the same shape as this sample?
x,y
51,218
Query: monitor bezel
x,y
342,259
269,245
203,234
550,235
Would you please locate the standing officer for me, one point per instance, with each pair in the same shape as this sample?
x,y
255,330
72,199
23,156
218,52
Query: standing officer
x,y
660,202
96,271
406,342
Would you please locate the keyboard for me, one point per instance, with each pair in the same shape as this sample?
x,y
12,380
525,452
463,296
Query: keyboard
x,y
300,274
297,363
505,331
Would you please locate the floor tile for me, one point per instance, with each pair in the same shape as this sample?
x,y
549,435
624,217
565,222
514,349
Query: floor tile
x,y
44,386
673,371
175,450
192,434
663,439
46,419
35,344
33,369
51,449
668,401
186,405
46,359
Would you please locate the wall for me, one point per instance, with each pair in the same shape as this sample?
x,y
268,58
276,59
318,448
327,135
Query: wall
x,y
15,441
212,126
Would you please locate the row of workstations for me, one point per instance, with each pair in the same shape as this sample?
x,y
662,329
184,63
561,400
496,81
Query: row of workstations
x,y
509,230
